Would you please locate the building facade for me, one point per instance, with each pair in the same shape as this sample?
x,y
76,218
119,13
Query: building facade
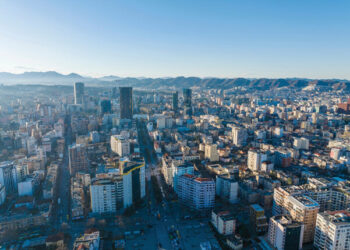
x,y
103,196
120,145
227,188
8,177
239,136
197,193
255,159
78,159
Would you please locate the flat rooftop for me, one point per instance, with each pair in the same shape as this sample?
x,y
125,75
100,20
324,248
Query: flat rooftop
x,y
257,207
305,200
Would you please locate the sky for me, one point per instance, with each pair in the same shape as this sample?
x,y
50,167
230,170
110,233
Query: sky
x,y
164,38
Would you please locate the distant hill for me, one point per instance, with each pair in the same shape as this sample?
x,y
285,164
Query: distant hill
x,y
54,78
49,78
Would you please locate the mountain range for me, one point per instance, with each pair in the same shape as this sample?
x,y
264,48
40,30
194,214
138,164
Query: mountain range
x,y
55,78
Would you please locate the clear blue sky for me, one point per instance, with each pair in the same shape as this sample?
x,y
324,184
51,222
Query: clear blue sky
x,y
223,38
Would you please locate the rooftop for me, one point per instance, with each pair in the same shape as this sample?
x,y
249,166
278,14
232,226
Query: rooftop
x,y
337,217
305,201
257,207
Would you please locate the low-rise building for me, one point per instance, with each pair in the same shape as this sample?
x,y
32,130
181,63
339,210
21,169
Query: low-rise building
x,y
90,240
234,242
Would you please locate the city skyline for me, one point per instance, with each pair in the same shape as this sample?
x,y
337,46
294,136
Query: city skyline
x,y
175,125
162,39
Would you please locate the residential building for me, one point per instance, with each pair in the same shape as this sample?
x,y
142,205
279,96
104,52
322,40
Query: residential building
x,y
234,242
211,152
179,170
303,209
227,188
103,196
258,218
223,221
197,193
301,143
239,136
284,233
333,230
78,159
120,145
90,240
134,183
255,159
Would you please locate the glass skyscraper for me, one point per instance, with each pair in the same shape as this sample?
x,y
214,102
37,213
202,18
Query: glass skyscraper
x,y
125,102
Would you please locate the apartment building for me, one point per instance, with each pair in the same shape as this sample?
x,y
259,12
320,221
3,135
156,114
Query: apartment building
x,y
239,136
227,188
78,159
197,193
304,209
120,145
255,159
258,218
333,230
179,170
223,221
211,152
284,233
331,196
103,196
134,182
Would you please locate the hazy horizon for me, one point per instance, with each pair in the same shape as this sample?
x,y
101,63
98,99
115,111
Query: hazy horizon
x,y
164,77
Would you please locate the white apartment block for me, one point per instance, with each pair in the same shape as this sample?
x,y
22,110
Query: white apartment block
x,y
239,136
333,230
211,152
103,196
255,159
301,143
329,196
120,145
198,193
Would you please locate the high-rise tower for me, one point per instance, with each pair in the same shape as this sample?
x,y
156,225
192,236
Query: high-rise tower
x,y
125,102
175,99
78,92
187,94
